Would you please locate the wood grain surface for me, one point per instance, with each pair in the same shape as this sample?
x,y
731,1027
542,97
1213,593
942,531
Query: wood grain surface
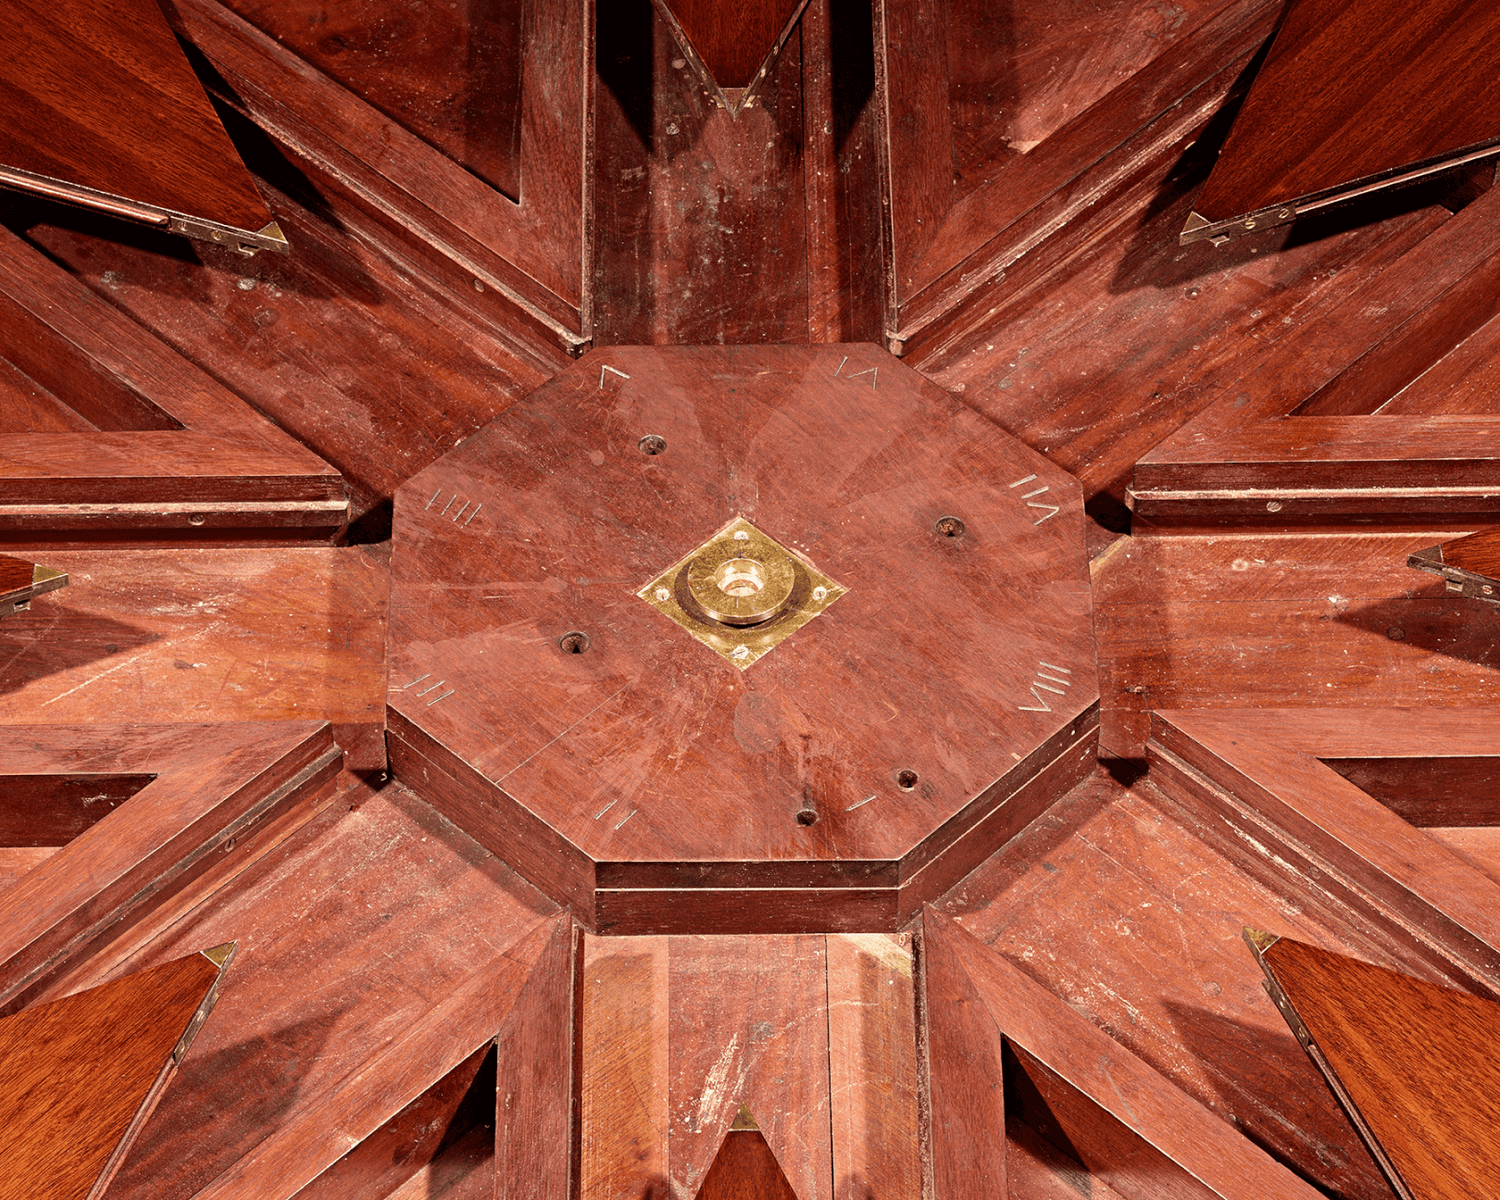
x,y
431,213
158,636
1098,1102
212,784
745,1169
379,949
734,40
1264,778
534,550
79,1070
1314,126
815,1036
1479,552
101,96
1409,1058
872,1067
176,451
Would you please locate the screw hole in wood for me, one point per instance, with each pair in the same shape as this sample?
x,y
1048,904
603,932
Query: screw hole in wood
x,y
906,780
652,443
950,527
574,642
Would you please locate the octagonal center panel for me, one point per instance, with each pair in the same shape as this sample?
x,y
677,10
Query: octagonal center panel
x,y
919,682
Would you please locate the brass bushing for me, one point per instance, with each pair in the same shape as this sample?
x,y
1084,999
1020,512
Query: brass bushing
x,y
742,582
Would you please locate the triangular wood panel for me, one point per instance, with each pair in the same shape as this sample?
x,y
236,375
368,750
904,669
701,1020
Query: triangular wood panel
x,y
1415,1066
102,110
1353,97
82,1073
745,1169
732,45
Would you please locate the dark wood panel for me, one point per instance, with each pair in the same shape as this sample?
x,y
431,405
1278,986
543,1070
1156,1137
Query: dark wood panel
x,y
83,1073
745,1169
1314,130
734,40
1479,553
1453,791
452,77
104,111
1411,1063
51,810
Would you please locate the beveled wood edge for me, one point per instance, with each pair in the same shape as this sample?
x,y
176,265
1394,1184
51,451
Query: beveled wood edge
x,y
168,1071
1361,853
956,290
570,878
139,855
228,464
1210,1153
1258,947
308,1141
512,248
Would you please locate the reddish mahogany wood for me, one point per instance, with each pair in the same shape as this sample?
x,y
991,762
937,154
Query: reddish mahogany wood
x,y
1246,458
848,459
453,78
679,179
22,581
210,463
872,1067
1479,553
81,1075
745,1169
530,256
748,1025
1315,127
1445,790
424,1131
972,221
700,1026
374,943
965,1094
51,810
533,1103
213,784
310,1140
1096,1101
734,40
1258,774
158,636
1413,1065
100,97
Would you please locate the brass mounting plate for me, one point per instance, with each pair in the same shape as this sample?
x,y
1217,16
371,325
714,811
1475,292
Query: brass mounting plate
x,y
672,593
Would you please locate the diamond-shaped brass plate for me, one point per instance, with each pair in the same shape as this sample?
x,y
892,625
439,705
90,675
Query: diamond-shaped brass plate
x,y
672,593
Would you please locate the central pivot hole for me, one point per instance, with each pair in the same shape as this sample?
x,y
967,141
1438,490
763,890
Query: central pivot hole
x,y
741,577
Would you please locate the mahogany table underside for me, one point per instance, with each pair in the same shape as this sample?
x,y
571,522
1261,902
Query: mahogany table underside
x,y
995,191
